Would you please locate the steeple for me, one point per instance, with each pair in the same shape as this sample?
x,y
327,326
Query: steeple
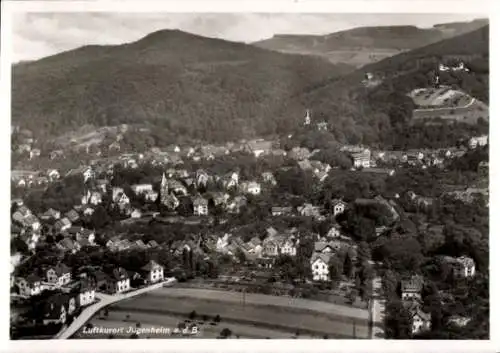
x,y
307,119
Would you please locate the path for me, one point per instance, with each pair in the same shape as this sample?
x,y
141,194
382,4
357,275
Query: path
x,y
473,100
105,300
378,310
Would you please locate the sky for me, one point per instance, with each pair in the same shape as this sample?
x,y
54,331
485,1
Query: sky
x,y
36,35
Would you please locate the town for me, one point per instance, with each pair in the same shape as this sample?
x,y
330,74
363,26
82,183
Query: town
x,y
401,235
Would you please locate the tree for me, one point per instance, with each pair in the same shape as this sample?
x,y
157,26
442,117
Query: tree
x,y
390,283
348,266
192,315
335,268
99,218
397,321
240,255
217,318
364,253
225,333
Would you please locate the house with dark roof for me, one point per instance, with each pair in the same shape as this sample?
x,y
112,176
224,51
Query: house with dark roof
x,y
411,288
73,216
118,281
281,211
319,266
59,274
200,206
85,290
50,214
152,272
62,225
29,285
420,320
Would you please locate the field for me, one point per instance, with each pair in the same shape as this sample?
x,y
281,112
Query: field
x,y
251,316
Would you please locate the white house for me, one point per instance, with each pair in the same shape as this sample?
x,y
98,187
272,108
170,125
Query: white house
x,y
140,189
86,294
88,174
411,288
338,207
319,266
223,242
289,247
59,275
253,188
465,267
478,141
200,206
153,272
334,231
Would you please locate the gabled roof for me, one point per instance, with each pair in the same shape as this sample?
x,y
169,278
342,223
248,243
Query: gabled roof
x,y
60,269
324,257
151,265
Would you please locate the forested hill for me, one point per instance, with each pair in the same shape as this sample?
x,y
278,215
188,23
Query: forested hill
x,y
185,84
358,113
364,45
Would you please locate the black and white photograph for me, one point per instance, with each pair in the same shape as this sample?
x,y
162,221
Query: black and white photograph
x,y
249,176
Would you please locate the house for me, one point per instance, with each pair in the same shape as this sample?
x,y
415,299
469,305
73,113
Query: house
x,y
483,169
31,222
102,185
136,213
231,180
270,248
219,198
281,211
88,211
334,232
50,214
463,266
253,188
88,174
200,206
319,266
478,141
59,274
152,244
141,189
322,126
86,292
338,207
92,198
87,235
325,247
72,215
259,147
62,225
53,174
201,178
35,152
222,242
459,321
153,272
268,177
308,210
411,288
289,247
361,159
68,245
420,320
29,285
236,204
151,196
119,197
118,281
54,310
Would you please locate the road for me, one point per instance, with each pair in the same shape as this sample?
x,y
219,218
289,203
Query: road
x,y
105,300
378,310
456,109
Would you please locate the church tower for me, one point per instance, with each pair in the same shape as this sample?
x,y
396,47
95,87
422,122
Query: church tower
x,y
164,190
307,119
